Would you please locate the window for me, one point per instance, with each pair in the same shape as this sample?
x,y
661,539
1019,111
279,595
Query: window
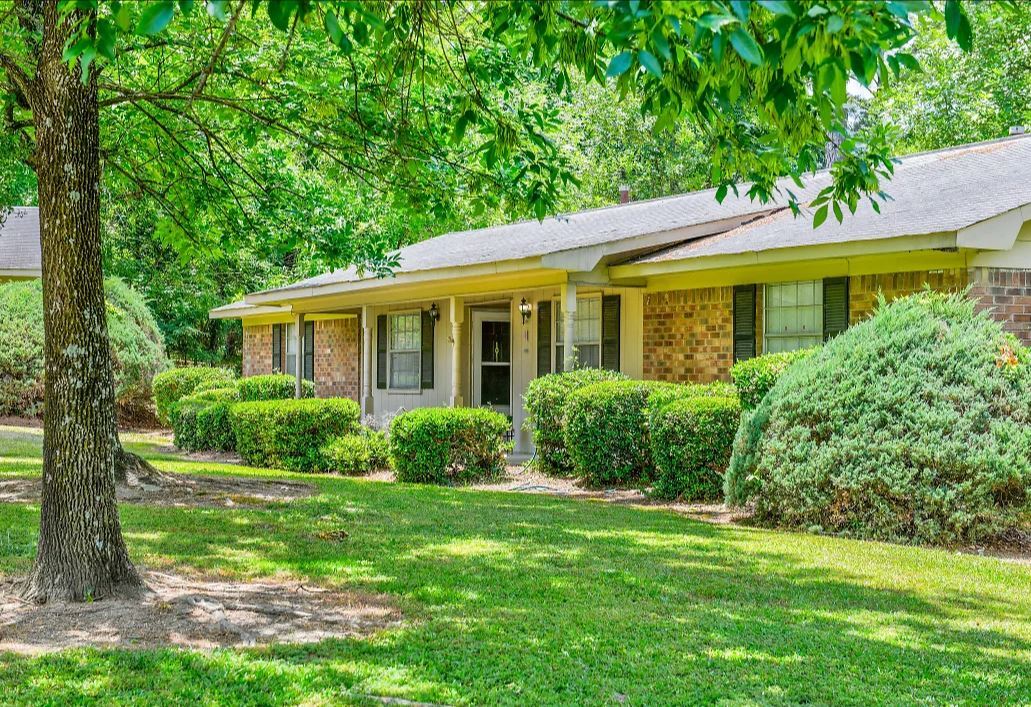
x,y
404,351
794,315
290,364
586,333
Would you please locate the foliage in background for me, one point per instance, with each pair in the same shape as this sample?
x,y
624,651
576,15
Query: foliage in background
x,y
290,434
449,445
913,426
137,349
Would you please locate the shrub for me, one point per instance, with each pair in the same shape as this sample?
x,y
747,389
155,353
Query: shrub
x,y
739,483
607,430
359,453
137,349
545,401
754,377
448,445
290,434
172,386
275,386
691,441
912,426
201,420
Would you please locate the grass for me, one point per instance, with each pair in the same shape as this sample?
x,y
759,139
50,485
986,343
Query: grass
x,y
513,598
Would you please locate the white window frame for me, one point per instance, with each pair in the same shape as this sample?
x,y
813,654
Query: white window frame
x,y
556,307
390,351
817,332
290,349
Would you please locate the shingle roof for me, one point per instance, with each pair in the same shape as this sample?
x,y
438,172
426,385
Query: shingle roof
x,y
932,192
19,240
937,192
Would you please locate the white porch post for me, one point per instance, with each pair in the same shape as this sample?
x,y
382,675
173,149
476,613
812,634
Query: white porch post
x,y
456,309
366,362
299,356
568,296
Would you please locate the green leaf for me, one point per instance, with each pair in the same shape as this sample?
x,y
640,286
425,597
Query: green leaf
x,y
123,17
834,24
155,17
219,9
965,34
837,212
650,63
820,217
619,64
908,60
778,7
661,44
746,47
741,9
953,12
280,13
721,193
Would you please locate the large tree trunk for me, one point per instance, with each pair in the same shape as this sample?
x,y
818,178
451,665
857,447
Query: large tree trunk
x,y
81,553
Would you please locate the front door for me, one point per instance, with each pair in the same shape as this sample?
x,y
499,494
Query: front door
x,y
492,360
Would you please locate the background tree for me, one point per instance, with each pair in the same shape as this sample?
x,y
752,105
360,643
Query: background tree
x,y
418,101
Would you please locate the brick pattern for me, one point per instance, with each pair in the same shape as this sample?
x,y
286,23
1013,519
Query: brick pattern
x,y
688,335
863,289
337,358
1007,294
257,350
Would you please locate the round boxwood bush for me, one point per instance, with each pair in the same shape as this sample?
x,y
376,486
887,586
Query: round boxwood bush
x,y
754,377
173,385
691,441
359,453
201,421
137,348
449,445
913,426
275,386
290,434
545,401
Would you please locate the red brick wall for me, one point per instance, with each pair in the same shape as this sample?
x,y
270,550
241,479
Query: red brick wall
x,y
337,356
863,289
1007,293
257,350
688,335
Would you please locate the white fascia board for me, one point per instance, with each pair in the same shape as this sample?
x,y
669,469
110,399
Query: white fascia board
x,y
21,273
230,312
996,233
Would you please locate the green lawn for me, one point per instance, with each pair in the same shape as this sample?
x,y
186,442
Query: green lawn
x,y
514,598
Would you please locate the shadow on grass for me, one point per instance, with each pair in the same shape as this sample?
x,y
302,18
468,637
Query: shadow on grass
x,y
517,598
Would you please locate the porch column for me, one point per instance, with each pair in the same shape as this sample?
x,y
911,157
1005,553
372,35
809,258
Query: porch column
x,y
366,362
456,308
568,296
299,356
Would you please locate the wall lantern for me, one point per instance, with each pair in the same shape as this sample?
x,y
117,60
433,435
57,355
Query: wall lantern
x,y
434,314
525,310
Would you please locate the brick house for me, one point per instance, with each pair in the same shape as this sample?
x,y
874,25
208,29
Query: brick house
x,y
669,289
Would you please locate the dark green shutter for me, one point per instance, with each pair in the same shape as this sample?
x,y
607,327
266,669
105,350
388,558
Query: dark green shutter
x,y
543,338
610,332
381,351
309,351
835,306
744,322
427,351
277,348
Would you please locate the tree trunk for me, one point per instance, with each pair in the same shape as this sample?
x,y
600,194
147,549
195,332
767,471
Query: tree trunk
x,y
81,554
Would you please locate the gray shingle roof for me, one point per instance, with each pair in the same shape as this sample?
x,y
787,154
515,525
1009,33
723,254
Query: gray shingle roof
x,y
937,192
19,240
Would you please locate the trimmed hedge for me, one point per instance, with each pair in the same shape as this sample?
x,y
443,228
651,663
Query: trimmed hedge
x,y
275,386
290,434
201,421
359,453
691,441
912,426
173,385
754,377
448,445
545,402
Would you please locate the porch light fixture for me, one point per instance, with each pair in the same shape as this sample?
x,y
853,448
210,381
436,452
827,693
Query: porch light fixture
x,y
434,314
525,310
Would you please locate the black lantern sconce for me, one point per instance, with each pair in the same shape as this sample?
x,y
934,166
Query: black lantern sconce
x,y
434,314
525,310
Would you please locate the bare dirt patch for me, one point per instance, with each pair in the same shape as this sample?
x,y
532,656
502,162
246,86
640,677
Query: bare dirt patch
x,y
181,490
193,613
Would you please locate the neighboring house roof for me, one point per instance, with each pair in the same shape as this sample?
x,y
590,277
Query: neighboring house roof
x,y
940,192
19,243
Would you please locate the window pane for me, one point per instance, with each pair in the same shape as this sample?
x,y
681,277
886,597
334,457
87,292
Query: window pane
x,y
588,356
794,315
495,385
405,332
588,320
291,339
404,370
